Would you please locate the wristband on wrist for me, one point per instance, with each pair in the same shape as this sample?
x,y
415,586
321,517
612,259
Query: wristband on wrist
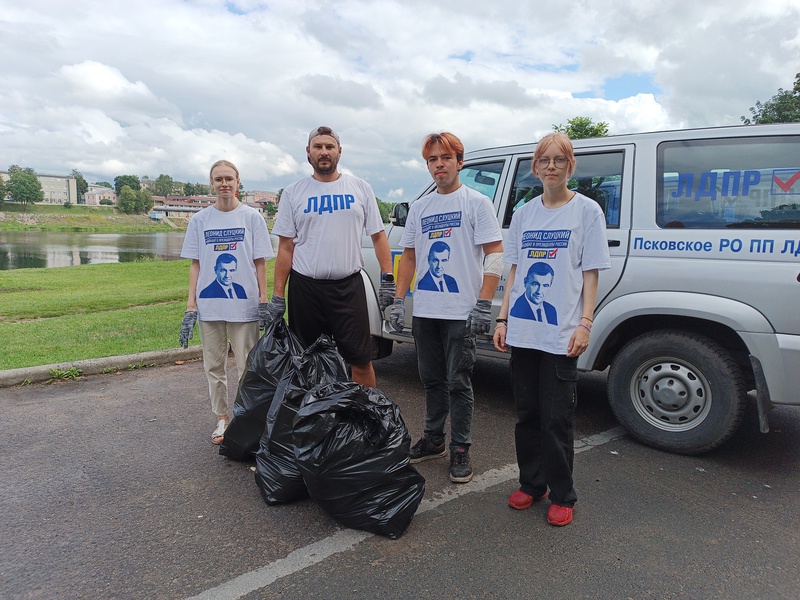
x,y
501,320
587,318
586,327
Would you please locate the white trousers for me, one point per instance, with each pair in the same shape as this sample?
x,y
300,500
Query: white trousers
x,y
214,334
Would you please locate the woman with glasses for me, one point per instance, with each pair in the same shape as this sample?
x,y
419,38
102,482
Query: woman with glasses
x,y
557,242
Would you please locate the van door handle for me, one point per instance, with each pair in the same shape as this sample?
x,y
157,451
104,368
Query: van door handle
x,y
613,243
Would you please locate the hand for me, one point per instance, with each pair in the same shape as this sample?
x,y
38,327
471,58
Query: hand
x,y
480,317
187,327
397,316
499,337
270,311
386,293
578,342
263,315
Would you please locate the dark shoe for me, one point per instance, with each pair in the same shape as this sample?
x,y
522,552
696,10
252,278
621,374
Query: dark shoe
x,y
425,450
559,515
520,500
460,470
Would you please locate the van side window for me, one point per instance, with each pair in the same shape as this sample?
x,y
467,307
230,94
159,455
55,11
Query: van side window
x,y
737,183
598,176
483,178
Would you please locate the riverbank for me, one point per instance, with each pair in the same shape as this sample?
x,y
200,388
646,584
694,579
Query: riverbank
x,y
77,218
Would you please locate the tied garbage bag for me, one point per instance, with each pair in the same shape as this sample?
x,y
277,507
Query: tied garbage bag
x,y
277,475
269,359
351,445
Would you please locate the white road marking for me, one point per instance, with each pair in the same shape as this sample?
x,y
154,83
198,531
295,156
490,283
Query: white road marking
x,y
346,539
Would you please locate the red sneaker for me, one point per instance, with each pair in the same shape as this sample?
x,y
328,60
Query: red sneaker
x,y
520,500
559,515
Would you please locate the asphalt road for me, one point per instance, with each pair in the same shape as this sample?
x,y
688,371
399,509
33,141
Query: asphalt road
x,y
112,489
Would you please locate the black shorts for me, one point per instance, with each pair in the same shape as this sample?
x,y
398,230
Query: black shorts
x,y
336,307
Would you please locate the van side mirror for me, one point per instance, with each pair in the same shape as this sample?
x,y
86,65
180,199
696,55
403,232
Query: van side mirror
x,y
399,214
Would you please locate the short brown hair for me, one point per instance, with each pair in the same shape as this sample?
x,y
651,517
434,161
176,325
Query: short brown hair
x,y
450,143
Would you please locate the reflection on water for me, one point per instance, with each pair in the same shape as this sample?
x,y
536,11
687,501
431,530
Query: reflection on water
x,y
41,249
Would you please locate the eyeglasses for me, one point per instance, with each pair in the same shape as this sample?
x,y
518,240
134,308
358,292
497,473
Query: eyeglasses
x,y
559,161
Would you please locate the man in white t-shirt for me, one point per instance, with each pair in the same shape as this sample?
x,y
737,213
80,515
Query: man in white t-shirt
x,y
445,324
321,220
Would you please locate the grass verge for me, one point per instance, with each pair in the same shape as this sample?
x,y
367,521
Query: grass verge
x,y
67,314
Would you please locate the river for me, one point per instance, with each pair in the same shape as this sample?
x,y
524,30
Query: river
x,y
45,249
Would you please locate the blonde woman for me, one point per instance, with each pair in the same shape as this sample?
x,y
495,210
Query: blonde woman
x,y
229,244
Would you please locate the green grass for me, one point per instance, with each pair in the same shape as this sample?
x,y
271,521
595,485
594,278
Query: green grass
x,y
66,314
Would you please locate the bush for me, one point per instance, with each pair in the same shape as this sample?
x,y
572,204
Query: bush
x,y
106,202
67,204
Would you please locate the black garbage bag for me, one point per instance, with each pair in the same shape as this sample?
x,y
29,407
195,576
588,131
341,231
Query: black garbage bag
x,y
277,475
351,445
267,362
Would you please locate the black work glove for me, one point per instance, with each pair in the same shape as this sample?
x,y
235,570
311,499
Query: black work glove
x,y
397,316
187,327
480,317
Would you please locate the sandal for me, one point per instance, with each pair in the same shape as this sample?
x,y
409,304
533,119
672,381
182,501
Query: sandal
x,y
219,433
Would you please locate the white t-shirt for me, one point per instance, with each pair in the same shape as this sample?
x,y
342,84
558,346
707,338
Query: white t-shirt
x,y
227,287
447,232
552,247
327,221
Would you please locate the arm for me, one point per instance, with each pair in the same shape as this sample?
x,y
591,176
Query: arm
x,y
580,337
405,272
261,276
490,281
194,274
283,265
501,329
382,251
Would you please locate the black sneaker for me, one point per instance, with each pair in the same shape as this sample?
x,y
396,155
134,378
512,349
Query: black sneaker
x,y
425,450
460,470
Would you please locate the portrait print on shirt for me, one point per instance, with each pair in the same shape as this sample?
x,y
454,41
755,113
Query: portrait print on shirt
x,y
531,304
435,279
223,285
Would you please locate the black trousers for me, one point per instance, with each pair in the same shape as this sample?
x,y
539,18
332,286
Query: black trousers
x,y
545,394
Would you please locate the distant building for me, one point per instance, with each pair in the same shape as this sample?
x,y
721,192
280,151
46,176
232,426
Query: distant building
x,y
57,189
96,193
180,206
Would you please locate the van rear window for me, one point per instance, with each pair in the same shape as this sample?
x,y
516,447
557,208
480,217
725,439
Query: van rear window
x,y
738,183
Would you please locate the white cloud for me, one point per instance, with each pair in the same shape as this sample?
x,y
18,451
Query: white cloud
x,y
169,86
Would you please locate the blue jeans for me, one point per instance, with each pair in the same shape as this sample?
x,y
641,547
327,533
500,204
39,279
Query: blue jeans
x,y
445,357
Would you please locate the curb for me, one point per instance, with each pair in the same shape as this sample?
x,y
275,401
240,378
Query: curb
x,y
94,366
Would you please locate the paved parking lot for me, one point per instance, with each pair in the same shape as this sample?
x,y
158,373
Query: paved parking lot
x,y
112,489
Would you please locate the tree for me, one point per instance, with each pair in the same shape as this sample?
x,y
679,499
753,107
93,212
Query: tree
x,y
188,189
278,196
2,192
132,181
783,107
144,201
271,208
24,186
579,128
80,183
104,184
126,200
164,185
385,208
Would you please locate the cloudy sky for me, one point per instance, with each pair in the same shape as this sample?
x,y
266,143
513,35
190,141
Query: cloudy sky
x,y
146,87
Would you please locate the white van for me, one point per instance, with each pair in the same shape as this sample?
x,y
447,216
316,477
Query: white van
x,y
702,302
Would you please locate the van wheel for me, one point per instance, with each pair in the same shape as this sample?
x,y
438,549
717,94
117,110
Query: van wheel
x,y
677,391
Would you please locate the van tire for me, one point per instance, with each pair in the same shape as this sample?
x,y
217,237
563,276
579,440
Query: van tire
x,y
677,391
